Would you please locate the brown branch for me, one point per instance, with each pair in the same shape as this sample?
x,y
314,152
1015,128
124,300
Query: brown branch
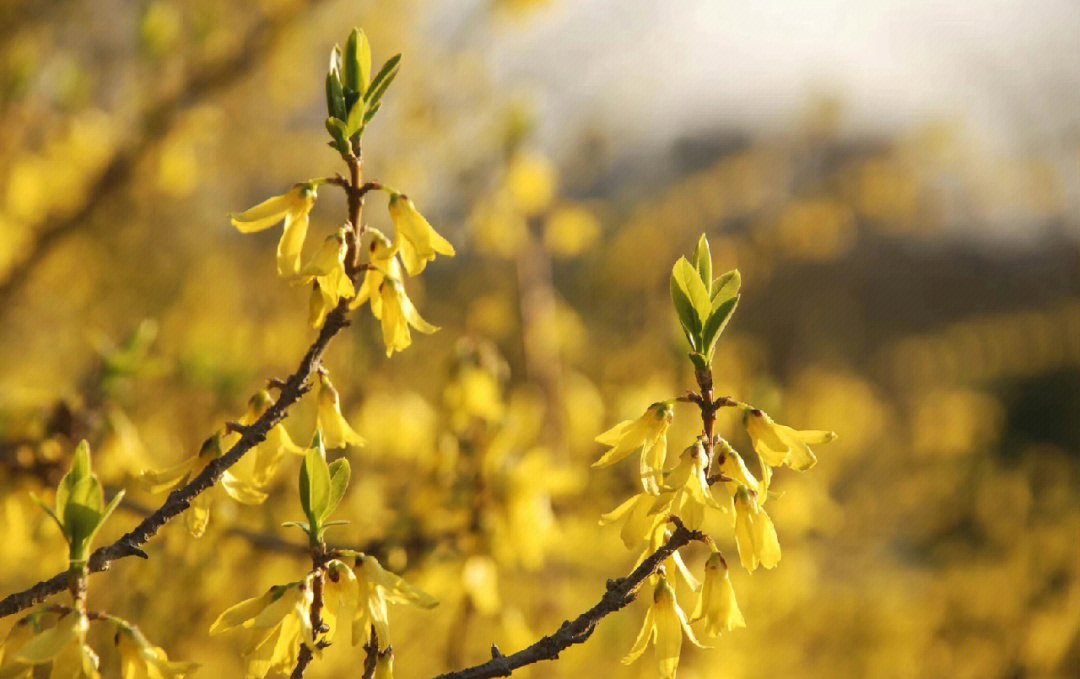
x,y
317,625
213,78
180,499
619,594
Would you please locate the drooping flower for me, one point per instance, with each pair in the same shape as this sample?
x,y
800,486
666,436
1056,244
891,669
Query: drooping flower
x,y
267,456
382,264
63,645
275,625
419,243
294,209
641,518
336,431
341,599
716,604
332,283
665,624
688,489
755,534
779,445
377,587
645,435
139,659
397,314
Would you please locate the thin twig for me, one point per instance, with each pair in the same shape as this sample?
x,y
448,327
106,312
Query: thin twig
x,y
619,594
180,499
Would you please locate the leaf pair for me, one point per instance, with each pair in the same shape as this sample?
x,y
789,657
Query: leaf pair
x,y
704,305
80,505
322,486
352,96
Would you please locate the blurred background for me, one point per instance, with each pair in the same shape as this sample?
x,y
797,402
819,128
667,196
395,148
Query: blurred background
x,y
899,184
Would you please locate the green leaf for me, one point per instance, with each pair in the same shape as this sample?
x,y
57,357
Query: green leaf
x,y
356,65
48,510
382,80
684,309
370,113
725,287
336,128
703,261
691,283
716,324
302,525
103,516
80,469
80,524
339,481
315,484
355,123
335,96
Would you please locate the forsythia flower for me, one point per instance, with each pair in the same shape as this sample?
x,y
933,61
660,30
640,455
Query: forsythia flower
x,y
688,488
716,604
268,454
755,534
139,659
778,445
341,598
294,208
398,313
646,435
63,645
276,624
332,283
665,623
641,519
198,513
336,431
383,264
419,242
376,587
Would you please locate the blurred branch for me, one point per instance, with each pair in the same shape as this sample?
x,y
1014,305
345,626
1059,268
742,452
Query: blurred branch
x,y
157,121
618,595
180,499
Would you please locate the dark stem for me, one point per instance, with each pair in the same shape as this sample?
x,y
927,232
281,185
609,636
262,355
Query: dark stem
x,y
619,594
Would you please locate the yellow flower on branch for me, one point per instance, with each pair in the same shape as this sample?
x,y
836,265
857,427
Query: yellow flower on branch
x,y
716,605
645,435
377,586
397,314
336,431
382,264
779,445
332,282
341,599
294,208
419,243
688,489
665,624
755,534
641,518
268,454
139,659
63,645
275,625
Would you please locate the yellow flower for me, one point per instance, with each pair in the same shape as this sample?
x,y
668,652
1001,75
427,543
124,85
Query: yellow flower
x,y
419,242
665,623
234,482
63,645
336,431
275,625
341,598
377,587
778,445
267,456
688,489
645,435
139,659
641,517
294,208
382,264
397,314
332,283
755,534
716,603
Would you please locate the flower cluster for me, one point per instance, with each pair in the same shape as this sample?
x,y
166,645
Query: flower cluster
x,y
688,491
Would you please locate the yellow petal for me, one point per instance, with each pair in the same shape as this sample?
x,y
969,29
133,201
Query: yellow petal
x,y
240,613
264,215
647,632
